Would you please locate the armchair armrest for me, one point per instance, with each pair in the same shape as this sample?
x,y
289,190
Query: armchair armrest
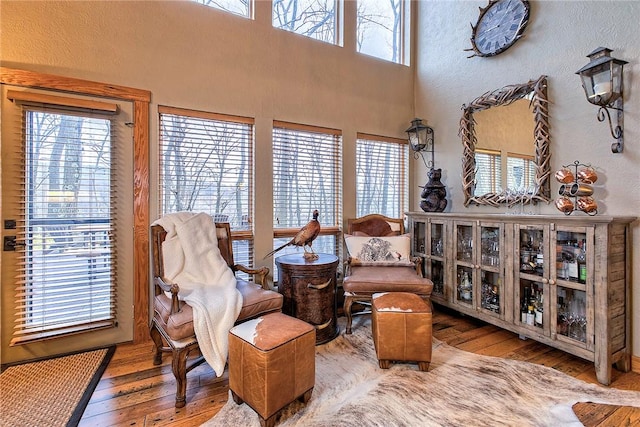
x,y
347,267
173,288
417,261
259,274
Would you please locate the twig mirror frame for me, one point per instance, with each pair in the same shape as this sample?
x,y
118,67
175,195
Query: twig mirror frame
x,y
505,96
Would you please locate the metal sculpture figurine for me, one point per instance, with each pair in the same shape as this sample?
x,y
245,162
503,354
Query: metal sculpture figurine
x,y
434,193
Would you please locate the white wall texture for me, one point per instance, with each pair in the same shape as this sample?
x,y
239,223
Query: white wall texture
x,y
193,57
558,37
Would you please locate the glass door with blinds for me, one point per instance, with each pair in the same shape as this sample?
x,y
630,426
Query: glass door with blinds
x,y
66,210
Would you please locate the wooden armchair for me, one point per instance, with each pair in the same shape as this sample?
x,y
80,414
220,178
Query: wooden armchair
x,y
363,279
172,325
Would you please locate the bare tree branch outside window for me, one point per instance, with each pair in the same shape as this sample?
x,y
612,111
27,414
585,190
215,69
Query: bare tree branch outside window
x,y
239,7
379,29
310,18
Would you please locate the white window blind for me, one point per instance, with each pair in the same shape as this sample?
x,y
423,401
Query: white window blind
x,y
307,175
206,165
67,274
381,175
488,171
521,172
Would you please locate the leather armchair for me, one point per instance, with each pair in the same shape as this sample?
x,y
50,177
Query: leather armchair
x,y
172,324
362,281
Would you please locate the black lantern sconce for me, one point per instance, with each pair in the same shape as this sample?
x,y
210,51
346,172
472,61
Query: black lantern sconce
x,y
602,82
434,193
421,139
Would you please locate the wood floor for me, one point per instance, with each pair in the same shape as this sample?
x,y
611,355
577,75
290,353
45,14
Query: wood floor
x,y
134,392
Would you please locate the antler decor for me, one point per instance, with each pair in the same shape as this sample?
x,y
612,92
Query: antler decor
x,y
537,90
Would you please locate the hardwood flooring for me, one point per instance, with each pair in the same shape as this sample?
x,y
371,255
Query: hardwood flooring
x,y
134,392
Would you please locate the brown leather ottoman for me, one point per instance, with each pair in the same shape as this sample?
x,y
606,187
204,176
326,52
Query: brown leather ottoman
x,y
271,363
401,328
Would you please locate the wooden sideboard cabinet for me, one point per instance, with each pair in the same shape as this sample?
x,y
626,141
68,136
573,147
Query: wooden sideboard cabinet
x,y
309,291
563,281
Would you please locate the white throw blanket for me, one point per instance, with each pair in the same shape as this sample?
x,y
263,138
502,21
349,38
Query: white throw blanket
x,y
193,261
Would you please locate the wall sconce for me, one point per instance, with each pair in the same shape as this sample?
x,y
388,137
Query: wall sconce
x,y
434,193
602,82
421,139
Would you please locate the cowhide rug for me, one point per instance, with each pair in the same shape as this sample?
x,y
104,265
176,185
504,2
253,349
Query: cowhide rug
x,y
460,389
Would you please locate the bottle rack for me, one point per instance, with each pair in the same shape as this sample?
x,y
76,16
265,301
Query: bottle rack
x,y
578,191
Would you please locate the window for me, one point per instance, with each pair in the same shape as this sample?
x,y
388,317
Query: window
x,y
306,176
381,176
488,171
311,18
67,273
521,172
206,165
238,7
380,29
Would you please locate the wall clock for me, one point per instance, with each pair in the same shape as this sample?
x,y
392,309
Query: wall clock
x,y
499,26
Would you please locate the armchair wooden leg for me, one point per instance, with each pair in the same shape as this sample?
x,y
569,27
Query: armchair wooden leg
x,y
157,341
348,302
179,365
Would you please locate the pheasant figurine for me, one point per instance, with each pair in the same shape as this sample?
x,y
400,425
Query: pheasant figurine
x,y
303,238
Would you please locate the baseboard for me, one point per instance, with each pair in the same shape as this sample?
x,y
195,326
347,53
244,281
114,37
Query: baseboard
x,y
635,364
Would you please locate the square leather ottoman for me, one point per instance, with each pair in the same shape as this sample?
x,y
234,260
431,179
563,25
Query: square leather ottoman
x,y
271,363
401,328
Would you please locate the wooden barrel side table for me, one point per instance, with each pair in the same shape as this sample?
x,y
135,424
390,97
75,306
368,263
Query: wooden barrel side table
x,y
309,291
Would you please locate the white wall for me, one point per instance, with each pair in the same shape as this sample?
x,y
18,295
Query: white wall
x,y
559,36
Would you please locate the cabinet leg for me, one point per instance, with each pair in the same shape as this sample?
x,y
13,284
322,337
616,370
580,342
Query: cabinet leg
x,y
603,373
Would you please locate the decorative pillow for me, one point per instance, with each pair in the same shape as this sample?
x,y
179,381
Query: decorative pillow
x,y
371,250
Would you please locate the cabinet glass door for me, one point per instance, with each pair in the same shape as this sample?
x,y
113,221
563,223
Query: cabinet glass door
x,y
465,263
532,277
436,260
419,236
572,271
491,283
572,320
571,256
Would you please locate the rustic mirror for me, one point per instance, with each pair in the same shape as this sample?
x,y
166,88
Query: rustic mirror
x,y
505,134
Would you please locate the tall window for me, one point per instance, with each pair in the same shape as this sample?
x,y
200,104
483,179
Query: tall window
x,y
306,176
238,7
381,174
67,277
206,165
380,29
488,171
311,18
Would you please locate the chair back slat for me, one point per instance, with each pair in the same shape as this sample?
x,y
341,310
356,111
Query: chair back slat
x,y
375,225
